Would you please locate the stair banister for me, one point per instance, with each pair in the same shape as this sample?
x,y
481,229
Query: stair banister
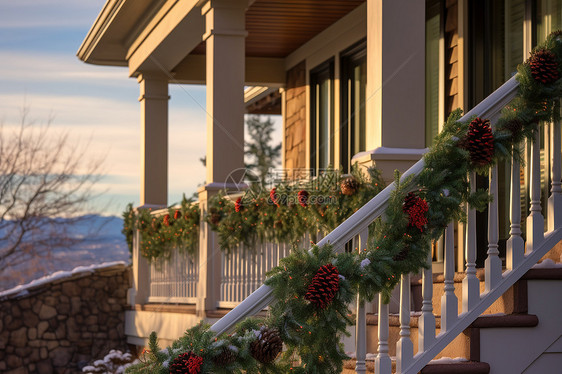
x,y
361,219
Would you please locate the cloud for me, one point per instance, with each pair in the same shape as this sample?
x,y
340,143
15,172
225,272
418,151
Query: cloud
x,y
48,13
34,67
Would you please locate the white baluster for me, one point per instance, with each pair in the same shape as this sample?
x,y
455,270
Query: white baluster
x,y
361,320
383,364
555,199
493,263
404,347
426,323
449,301
535,220
470,284
515,246
360,338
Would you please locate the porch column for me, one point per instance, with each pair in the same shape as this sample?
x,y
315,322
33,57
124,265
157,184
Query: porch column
x,y
154,167
154,139
395,100
225,64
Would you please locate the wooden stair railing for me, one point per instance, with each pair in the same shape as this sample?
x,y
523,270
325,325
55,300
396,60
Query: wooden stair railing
x,y
473,303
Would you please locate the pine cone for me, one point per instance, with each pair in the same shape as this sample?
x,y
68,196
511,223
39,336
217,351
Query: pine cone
x,y
226,357
324,286
186,363
215,218
303,198
479,142
402,255
267,346
409,202
177,214
544,67
514,126
167,220
349,186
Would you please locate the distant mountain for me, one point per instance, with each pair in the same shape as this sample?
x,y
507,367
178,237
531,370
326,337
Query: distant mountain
x,y
100,240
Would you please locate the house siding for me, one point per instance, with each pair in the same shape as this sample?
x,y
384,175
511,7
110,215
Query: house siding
x,y
295,118
451,57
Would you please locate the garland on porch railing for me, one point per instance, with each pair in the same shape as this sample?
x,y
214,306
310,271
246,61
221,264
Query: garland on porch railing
x,y
286,212
313,290
160,234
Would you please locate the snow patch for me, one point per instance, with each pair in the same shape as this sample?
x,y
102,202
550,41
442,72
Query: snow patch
x,y
448,360
22,290
547,264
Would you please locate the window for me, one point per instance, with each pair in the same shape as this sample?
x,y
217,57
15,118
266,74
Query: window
x,y
322,116
433,67
353,90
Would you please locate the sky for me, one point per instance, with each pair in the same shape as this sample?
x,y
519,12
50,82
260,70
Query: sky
x,y
95,105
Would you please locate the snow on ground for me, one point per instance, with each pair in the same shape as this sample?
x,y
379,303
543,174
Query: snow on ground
x,y
22,290
115,362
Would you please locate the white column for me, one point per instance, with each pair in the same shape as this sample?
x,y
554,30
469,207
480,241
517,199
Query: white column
x,y
449,301
139,293
555,199
470,283
396,71
493,264
535,219
154,138
515,246
404,347
225,64
383,363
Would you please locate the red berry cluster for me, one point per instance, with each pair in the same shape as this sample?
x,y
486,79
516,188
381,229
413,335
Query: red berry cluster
x,y
324,286
273,196
238,205
416,209
186,363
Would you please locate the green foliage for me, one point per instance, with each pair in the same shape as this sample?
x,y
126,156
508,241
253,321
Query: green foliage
x,y
262,154
129,222
286,220
178,228
398,243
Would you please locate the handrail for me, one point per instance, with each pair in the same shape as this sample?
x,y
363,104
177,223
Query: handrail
x,y
361,219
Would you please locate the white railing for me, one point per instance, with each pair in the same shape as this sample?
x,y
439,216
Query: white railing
x,y
473,303
174,280
244,269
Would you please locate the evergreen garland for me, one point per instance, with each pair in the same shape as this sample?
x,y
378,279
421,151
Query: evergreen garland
x,y
399,245
159,235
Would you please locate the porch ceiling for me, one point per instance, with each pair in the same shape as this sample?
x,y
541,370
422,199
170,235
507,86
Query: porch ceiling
x,y
278,27
135,33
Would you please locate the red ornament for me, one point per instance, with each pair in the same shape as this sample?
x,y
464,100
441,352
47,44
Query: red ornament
x,y
167,220
274,197
238,205
186,363
177,214
303,198
324,286
416,208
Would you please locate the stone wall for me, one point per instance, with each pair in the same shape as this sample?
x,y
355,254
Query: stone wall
x,y
295,118
59,326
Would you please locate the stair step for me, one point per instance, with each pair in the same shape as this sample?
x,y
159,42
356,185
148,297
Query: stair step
x,y
465,345
462,367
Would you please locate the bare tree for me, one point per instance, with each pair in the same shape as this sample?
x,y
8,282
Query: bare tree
x,y
45,181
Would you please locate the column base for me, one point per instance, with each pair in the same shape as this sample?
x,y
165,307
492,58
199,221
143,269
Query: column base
x,y
389,159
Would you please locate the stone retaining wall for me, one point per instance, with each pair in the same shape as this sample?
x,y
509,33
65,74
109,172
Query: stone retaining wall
x,y
60,326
